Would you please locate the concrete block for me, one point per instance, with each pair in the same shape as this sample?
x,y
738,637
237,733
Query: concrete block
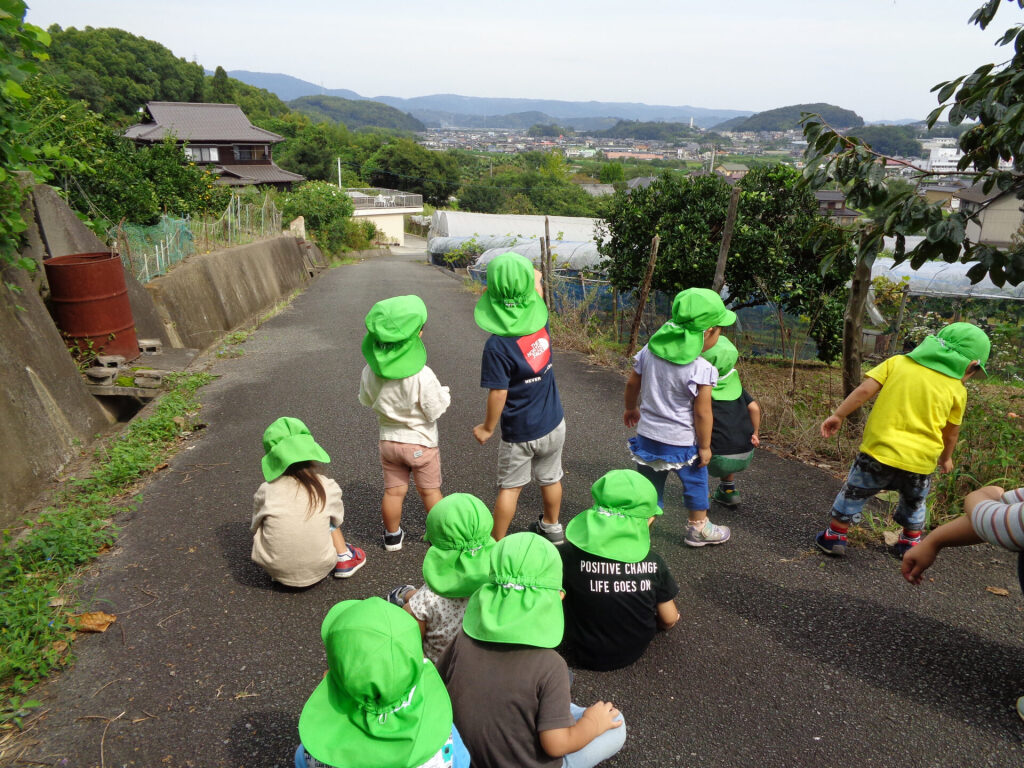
x,y
150,379
110,361
151,346
102,376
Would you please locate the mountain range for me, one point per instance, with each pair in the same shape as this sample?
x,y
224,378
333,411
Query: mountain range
x,y
446,110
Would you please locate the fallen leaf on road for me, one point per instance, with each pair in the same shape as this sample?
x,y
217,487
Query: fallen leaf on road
x,y
891,537
158,467
998,591
96,621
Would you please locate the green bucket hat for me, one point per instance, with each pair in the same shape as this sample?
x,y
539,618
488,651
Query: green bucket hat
x,y
381,703
724,356
511,305
286,442
392,345
952,349
459,558
522,603
616,526
694,310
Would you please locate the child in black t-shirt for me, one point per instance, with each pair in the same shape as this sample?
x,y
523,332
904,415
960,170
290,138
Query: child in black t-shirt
x,y
618,592
737,421
517,369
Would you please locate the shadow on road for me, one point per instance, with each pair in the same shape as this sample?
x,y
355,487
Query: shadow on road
x,y
944,667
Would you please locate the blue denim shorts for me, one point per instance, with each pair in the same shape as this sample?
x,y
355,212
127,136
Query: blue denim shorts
x,y
868,476
693,478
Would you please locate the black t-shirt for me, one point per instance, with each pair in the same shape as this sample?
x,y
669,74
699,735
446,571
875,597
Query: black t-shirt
x,y
611,607
732,427
522,365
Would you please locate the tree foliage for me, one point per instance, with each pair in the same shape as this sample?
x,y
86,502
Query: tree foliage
x,y
23,46
991,95
356,114
788,118
117,72
893,140
650,131
771,258
406,165
327,211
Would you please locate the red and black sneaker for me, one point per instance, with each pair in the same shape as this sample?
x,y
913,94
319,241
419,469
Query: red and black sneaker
x,y
831,542
345,568
904,543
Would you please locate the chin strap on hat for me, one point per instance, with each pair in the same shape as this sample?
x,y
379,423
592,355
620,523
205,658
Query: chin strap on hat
x,y
383,712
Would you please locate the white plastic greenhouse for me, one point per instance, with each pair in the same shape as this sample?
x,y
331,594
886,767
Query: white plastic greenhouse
x,y
938,278
478,225
567,254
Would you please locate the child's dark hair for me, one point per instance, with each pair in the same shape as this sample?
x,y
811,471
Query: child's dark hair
x,y
305,473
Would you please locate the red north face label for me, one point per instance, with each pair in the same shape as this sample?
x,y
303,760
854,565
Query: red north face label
x,y
536,348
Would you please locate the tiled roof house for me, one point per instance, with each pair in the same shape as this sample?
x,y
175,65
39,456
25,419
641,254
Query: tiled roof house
x,y
217,135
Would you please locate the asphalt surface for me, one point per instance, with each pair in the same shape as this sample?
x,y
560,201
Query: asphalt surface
x,y
782,657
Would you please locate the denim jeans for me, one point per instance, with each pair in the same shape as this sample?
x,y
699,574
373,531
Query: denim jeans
x,y
600,749
867,477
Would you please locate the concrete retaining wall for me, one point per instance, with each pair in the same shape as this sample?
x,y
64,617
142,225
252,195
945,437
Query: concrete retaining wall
x,y
210,294
46,414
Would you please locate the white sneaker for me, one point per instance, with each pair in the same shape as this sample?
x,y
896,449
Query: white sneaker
x,y
709,533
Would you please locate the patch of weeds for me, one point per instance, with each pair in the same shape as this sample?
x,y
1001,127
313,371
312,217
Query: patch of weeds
x,y
229,344
39,567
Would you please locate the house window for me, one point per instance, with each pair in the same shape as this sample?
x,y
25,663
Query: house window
x,y
258,152
202,154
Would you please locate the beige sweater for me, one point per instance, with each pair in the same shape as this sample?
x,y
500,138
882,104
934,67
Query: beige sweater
x,y
293,549
407,409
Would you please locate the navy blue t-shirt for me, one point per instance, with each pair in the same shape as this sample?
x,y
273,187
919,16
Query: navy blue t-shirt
x,y
522,365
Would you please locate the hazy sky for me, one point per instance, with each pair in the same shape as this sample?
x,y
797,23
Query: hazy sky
x,y
877,57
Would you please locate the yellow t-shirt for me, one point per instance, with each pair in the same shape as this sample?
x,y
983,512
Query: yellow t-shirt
x,y
904,429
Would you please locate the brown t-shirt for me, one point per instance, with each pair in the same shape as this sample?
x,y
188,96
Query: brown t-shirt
x,y
503,696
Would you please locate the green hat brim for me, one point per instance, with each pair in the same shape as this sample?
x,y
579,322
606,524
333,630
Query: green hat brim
x,y
932,354
333,728
528,616
676,344
395,360
455,572
615,537
528,316
301,447
729,387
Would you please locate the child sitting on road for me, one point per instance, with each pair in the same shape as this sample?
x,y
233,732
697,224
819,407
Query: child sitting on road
x,y
913,425
517,369
458,561
381,704
297,512
990,514
618,593
673,421
737,420
408,399
509,689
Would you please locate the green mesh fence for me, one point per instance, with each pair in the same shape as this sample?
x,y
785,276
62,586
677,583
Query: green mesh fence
x,y
149,251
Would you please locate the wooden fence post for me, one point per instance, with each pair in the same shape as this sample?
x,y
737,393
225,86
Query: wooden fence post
x,y
643,296
723,251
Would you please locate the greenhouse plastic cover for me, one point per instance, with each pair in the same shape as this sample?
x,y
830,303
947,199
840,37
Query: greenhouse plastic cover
x,y
478,225
939,278
568,255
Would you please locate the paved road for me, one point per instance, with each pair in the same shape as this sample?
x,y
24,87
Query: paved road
x,y
781,658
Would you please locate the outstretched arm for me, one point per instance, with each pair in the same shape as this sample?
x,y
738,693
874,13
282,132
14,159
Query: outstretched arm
x,y
867,389
956,533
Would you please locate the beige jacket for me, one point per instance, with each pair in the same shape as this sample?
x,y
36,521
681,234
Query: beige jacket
x,y
407,409
294,550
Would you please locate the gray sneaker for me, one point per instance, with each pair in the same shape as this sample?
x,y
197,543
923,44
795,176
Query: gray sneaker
x,y
556,536
709,533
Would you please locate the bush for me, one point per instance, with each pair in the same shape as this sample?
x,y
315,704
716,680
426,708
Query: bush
x,y
326,209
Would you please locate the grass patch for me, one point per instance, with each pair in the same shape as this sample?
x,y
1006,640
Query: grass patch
x,y
39,567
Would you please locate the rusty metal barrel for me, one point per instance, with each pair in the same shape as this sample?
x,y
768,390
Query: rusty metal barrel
x,y
90,303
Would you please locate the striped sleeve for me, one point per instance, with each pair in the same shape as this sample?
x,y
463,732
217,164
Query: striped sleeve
x,y
1001,522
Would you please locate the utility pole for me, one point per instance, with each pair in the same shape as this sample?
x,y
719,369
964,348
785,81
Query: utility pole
x,y
339,173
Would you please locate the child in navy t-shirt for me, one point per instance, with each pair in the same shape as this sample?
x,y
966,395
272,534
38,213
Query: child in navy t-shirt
x,y
517,369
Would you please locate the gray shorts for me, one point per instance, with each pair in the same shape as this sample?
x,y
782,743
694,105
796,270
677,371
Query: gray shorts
x,y
540,458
